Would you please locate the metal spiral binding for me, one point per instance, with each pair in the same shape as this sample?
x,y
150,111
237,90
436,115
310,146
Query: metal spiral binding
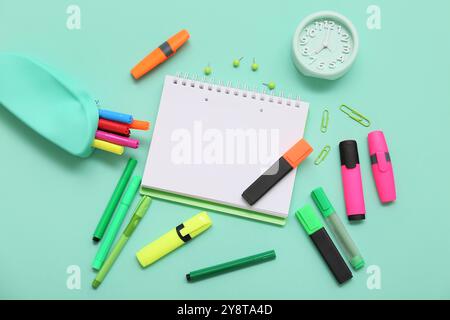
x,y
211,84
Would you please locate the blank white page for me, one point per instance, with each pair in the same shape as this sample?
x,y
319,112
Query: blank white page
x,y
211,142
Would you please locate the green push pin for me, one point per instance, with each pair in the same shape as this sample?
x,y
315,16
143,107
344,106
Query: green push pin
x,y
255,66
207,70
271,85
237,62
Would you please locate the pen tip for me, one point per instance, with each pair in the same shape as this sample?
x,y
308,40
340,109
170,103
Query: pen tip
x,y
95,284
95,239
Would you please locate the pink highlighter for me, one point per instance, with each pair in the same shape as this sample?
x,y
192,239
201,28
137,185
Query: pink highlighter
x,y
382,167
351,181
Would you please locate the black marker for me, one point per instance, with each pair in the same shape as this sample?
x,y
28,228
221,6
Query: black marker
x,y
316,231
289,161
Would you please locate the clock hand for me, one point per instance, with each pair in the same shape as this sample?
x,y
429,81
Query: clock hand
x,y
328,40
319,51
325,42
328,37
324,45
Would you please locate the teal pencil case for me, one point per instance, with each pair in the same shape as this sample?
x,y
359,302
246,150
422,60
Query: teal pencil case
x,y
49,102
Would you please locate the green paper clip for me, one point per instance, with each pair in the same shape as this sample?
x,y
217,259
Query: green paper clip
x,y
323,155
325,120
355,115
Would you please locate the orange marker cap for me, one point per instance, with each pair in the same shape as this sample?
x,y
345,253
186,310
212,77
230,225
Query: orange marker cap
x,y
299,152
178,40
160,54
140,125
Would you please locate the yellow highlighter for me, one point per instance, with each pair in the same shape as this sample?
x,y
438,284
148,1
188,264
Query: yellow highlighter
x,y
173,239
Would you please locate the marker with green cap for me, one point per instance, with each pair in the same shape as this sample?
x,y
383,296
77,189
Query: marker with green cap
x,y
139,213
314,228
116,223
337,227
114,200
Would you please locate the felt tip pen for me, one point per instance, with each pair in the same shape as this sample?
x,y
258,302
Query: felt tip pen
x,y
352,181
115,116
140,125
230,266
139,213
289,161
116,222
160,54
108,146
114,127
114,200
337,227
319,236
116,139
173,239
383,173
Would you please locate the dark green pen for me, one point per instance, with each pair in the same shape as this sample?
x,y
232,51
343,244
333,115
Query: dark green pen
x,y
141,210
230,266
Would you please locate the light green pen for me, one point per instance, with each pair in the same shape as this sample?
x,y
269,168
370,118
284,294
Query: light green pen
x,y
139,213
116,222
337,227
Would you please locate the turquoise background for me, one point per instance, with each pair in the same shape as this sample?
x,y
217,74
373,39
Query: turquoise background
x,y
51,201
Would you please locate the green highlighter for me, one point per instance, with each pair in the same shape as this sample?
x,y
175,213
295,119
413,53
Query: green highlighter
x,y
230,266
139,213
337,227
117,221
114,200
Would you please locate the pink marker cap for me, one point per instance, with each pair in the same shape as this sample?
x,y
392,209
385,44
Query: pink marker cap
x,y
377,142
382,170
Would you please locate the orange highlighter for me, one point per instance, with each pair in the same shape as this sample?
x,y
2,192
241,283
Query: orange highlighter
x,y
289,161
160,54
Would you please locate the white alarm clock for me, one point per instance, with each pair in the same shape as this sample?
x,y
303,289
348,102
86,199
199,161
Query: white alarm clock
x,y
325,45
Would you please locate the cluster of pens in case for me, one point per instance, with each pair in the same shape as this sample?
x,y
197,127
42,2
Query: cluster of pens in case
x,y
113,132
354,203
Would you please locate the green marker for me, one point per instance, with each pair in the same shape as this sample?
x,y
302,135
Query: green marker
x,y
338,229
139,213
116,223
114,200
230,266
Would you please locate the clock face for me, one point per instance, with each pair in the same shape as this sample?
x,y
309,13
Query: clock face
x,y
325,46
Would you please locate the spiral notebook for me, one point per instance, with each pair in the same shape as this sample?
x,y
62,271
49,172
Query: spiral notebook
x,y
211,141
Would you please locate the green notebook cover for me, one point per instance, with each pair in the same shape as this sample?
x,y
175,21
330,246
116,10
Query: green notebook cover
x,y
209,205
